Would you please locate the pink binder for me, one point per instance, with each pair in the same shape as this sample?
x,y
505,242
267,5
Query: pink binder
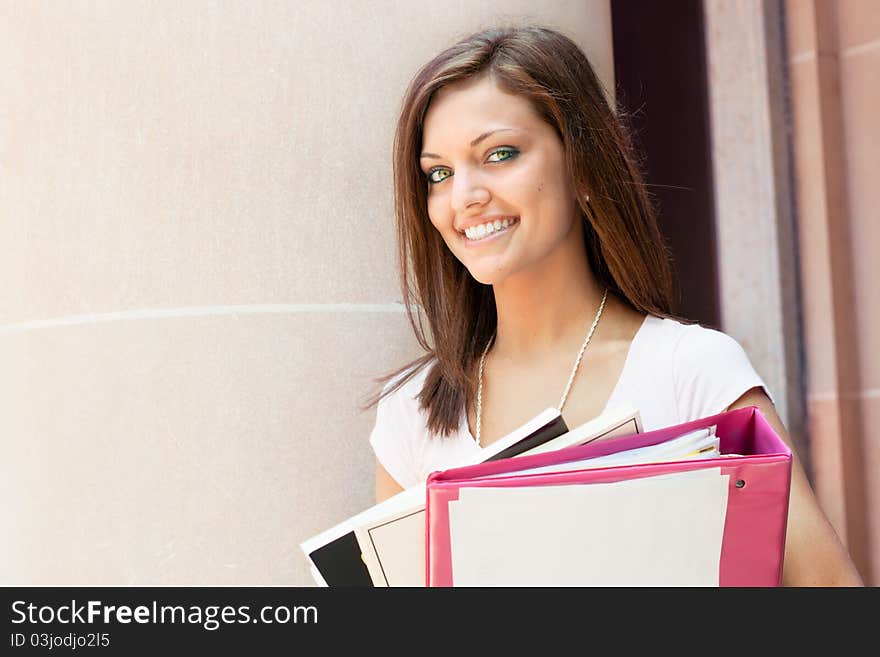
x,y
757,506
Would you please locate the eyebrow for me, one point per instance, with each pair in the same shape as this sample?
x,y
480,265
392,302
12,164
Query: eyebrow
x,y
476,141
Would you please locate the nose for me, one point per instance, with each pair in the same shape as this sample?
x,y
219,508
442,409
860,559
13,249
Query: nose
x,y
468,189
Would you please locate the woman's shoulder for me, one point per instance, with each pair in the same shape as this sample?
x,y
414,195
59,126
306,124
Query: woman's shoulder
x,y
666,348
710,369
689,339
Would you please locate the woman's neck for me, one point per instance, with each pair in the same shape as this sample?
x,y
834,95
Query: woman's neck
x,y
541,312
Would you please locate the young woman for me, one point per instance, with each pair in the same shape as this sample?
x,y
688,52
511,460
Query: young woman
x,y
530,245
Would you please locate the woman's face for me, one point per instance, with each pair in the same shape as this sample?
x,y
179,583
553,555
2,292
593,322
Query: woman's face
x,y
491,161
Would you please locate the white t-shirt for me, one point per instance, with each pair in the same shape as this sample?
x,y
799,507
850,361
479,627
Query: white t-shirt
x,y
673,373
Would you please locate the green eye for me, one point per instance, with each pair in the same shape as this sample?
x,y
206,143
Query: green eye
x,y
437,175
503,154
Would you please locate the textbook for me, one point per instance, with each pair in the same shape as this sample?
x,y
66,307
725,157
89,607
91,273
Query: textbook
x,y
390,536
335,556
385,545
393,545
702,503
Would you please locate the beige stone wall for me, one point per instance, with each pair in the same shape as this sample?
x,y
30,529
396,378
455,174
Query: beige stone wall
x,y
198,270
834,51
753,214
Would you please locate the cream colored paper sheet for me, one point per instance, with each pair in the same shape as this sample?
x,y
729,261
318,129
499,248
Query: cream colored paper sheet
x,y
656,531
400,540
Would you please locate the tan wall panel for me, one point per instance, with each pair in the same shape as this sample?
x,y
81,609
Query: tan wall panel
x,y
834,67
175,154
859,24
198,260
813,234
801,27
870,406
858,21
756,258
860,85
185,450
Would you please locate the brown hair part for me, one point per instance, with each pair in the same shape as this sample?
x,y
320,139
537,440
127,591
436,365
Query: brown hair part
x,y
625,248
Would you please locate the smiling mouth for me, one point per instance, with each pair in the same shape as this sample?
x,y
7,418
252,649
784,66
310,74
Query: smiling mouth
x,y
485,232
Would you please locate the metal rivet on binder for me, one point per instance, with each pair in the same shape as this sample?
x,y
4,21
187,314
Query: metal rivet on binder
x,y
740,483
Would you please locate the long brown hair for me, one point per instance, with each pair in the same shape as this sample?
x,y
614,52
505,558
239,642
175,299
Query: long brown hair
x,y
624,246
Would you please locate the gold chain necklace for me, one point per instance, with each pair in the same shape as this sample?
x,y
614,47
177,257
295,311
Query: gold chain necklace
x,y
574,370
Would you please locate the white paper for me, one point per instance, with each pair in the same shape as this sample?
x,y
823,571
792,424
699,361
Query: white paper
x,y
682,448
655,531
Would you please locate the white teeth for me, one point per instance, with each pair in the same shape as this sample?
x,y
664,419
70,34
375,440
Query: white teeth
x,y
481,231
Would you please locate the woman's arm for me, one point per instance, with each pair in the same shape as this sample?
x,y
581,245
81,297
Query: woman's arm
x,y
385,484
814,555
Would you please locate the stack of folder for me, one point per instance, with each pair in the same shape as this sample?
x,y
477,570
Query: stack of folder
x,y
703,503
699,504
385,544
